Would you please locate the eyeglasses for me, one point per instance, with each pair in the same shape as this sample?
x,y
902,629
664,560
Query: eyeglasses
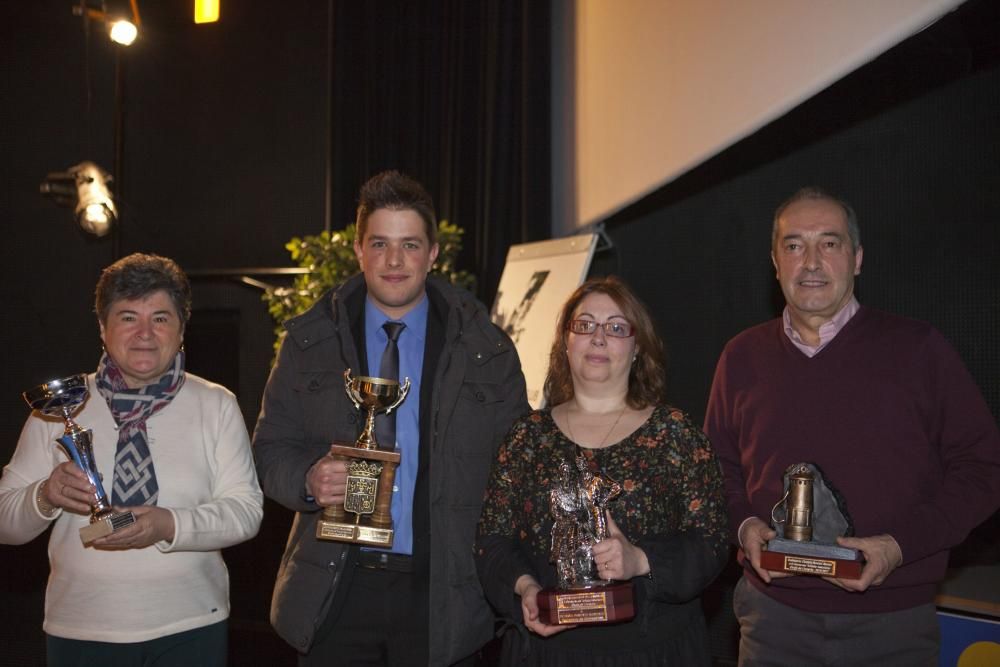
x,y
612,328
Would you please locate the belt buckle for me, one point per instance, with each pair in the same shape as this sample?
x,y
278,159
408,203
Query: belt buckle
x,y
374,560
384,560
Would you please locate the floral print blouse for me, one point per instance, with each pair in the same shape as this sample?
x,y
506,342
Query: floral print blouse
x,y
672,505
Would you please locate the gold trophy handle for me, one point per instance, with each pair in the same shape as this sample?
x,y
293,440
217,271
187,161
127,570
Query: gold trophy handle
x,y
403,390
350,393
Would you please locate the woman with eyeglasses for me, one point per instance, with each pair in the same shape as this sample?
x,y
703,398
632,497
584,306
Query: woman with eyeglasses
x,y
666,530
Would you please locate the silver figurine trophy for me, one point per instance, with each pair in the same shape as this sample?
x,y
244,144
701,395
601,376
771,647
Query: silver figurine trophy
x,y
578,502
61,398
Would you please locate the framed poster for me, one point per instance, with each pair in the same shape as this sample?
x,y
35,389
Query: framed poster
x,y
537,279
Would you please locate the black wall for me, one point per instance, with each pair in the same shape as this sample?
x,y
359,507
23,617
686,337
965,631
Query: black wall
x,y
912,140
224,161
925,181
923,174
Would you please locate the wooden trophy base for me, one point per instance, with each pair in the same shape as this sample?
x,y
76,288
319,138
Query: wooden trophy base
x,y
105,525
815,558
612,603
371,528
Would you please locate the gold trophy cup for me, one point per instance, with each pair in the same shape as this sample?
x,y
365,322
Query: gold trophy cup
x,y
365,516
61,398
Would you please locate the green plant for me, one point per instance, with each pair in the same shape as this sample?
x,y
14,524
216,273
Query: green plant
x,y
329,259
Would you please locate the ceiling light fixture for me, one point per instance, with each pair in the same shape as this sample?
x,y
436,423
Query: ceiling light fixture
x,y
206,11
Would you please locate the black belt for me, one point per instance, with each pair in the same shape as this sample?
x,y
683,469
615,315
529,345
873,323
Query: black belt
x,y
383,560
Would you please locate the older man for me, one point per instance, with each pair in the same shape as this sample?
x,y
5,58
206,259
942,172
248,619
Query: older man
x,y
884,406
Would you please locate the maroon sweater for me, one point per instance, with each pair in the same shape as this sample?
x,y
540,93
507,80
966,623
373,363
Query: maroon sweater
x,y
894,420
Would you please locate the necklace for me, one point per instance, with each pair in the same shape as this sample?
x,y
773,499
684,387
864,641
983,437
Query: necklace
x,y
604,441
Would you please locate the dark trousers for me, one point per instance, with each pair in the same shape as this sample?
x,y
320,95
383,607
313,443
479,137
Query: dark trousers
x,y
383,621
202,646
773,634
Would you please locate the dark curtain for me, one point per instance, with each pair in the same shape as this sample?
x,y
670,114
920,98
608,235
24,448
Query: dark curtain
x,y
456,94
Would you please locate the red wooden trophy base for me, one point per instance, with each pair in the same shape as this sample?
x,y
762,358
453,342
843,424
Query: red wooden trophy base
x,y
612,603
778,561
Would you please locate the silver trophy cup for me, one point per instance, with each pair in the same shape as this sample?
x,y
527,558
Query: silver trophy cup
x,y
61,398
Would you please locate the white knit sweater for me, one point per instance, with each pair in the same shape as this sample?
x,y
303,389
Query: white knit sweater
x,y
204,468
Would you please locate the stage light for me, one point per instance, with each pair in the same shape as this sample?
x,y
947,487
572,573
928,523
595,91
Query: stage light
x,y
123,32
206,11
122,21
84,187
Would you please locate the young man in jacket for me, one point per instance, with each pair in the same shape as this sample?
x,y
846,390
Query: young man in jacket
x,y
419,604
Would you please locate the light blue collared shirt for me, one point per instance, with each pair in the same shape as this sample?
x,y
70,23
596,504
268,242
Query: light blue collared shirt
x,y
827,331
411,365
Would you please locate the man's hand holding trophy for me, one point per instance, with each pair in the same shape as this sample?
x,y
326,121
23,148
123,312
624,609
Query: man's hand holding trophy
x,y
808,520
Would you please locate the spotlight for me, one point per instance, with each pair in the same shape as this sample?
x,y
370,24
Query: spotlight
x,y
83,187
123,32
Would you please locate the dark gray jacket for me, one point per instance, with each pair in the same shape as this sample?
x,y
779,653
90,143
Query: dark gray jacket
x,y
477,392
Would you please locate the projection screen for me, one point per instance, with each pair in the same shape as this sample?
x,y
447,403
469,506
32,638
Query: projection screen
x,y
645,90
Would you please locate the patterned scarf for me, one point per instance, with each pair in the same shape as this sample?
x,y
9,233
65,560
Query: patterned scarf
x,y
135,477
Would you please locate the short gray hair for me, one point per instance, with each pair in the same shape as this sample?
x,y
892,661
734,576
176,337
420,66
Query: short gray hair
x,y
138,276
814,193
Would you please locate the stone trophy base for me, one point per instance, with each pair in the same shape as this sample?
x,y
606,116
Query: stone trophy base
x,y
611,603
816,558
374,529
105,525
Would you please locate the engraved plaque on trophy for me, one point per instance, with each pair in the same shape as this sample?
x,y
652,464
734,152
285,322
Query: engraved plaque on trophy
x,y
61,398
365,516
578,502
808,520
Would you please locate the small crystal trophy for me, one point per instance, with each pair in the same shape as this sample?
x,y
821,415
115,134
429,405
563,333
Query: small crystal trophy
x,y
61,398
